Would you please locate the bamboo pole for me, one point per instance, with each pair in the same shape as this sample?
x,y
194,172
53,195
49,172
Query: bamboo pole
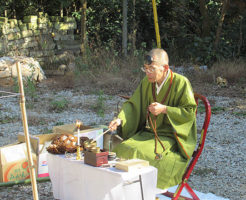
x,y
26,181
26,132
158,40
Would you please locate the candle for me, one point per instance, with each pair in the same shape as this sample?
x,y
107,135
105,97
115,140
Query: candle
x,y
78,123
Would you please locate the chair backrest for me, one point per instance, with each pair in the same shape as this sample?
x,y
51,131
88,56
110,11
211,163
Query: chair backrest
x,y
200,146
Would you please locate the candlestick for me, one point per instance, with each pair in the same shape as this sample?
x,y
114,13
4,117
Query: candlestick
x,y
78,123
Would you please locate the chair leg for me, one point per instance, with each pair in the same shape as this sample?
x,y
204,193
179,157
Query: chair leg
x,y
176,195
170,195
191,192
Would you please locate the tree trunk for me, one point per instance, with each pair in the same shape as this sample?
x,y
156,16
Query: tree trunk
x,y
220,24
206,25
124,29
61,11
240,42
83,26
134,27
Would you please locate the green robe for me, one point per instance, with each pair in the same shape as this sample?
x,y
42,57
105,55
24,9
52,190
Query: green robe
x,y
180,118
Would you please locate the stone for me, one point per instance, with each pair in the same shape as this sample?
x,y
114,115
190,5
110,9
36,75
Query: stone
x,y
2,47
46,42
23,27
43,20
16,42
30,68
32,26
13,22
40,14
4,19
36,54
5,73
14,36
39,54
14,29
26,33
55,18
30,19
42,26
68,44
67,37
64,26
28,44
36,32
69,19
20,22
4,28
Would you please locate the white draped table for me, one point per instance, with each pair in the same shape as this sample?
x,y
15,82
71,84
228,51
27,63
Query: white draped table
x,y
74,180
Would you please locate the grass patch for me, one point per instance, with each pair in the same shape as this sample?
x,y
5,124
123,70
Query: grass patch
x,y
216,110
99,107
7,119
47,131
59,105
59,123
234,71
201,109
240,114
106,69
204,171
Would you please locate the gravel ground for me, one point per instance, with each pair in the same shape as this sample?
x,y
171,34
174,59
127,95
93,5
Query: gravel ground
x,y
220,170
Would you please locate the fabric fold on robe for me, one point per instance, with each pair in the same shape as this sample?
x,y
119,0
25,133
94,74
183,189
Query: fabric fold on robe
x,y
180,119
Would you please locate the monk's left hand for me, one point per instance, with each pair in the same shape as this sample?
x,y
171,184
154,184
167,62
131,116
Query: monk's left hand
x,y
157,108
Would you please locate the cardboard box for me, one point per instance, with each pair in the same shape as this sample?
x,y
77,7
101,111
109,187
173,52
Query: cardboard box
x,y
69,128
40,142
14,163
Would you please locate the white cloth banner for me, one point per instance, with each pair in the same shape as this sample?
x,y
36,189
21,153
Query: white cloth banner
x,y
74,180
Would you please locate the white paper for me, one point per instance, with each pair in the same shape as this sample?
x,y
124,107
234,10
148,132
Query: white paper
x,y
93,134
14,153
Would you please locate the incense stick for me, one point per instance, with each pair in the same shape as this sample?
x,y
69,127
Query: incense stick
x,y
100,135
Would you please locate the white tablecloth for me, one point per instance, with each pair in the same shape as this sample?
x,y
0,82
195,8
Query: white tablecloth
x,y
74,180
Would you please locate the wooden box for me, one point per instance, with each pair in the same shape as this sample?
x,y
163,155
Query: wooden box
x,y
95,159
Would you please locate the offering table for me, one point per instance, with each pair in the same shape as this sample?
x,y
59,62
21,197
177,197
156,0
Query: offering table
x,y
74,180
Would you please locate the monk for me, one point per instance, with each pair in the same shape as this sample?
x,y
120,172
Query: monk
x,y
158,122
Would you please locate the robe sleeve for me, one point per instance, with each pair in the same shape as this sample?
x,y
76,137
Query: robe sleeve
x,y
182,117
132,114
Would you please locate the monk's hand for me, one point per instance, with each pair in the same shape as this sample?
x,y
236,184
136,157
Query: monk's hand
x,y
157,108
114,124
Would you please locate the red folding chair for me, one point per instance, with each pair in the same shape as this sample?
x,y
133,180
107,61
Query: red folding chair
x,y
195,156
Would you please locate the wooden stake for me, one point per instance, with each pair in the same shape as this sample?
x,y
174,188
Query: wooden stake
x,y
26,132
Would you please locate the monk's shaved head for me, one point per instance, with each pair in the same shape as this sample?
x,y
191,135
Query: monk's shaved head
x,y
159,56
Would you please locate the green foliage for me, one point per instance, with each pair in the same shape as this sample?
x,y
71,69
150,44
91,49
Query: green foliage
x,y
59,105
59,123
180,24
30,91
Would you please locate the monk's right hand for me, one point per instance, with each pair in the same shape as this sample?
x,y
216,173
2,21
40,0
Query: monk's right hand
x,y
114,124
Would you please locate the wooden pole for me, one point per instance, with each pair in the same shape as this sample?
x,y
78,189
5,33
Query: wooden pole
x,y
158,40
26,132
